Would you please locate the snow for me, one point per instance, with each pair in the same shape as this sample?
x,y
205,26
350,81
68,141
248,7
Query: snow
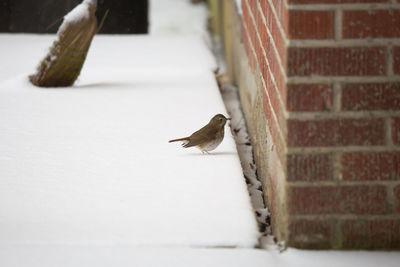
x,y
230,95
89,179
49,256
91,165
239,6
173,17
80,12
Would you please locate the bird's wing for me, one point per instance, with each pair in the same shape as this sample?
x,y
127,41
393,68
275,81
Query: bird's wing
x,y
203,135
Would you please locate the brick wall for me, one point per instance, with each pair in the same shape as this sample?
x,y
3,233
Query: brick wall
x,y
329,73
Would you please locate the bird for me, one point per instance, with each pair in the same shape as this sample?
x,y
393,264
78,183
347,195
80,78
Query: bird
x,y
208,137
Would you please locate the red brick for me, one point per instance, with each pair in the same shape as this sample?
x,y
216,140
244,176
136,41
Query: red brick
x,y
276,91
252,33
275,72
342,61
274,57
370,166
259,51
360,199
396,130
309,97
310,234
273,25
253,6
274,67
273,94
371,96
309,167
396,193
371,234
243,5
272,91
273,127
251,30
281,12
256,14
249,34
371,23
334,1
344,132
306,24
262,31
396,59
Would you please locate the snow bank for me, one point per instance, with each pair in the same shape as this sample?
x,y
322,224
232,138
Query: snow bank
x,y
239,6
81,11
178,17
91,164
160,257
230,95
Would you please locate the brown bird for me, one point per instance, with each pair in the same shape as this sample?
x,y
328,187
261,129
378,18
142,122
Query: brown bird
x,y
208,137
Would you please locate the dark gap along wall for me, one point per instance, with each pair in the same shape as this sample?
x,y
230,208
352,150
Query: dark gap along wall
x,y
45,16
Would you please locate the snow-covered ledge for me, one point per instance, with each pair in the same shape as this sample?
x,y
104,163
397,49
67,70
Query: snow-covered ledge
x,y
91,164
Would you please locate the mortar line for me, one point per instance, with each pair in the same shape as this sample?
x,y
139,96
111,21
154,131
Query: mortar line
x,y
326,115
372,149
337,97
338,24
344,216
337,238
353,79
390,60
337,166
344,42
388,131
344,183
354,6
286,4
390,198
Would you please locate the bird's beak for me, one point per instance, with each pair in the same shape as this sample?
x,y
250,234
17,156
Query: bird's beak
x,y
228,119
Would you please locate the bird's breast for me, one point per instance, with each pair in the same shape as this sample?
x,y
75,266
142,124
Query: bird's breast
x,y
211,145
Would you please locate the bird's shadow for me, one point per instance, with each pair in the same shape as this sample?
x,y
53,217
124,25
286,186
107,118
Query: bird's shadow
x,y
101,85
211,154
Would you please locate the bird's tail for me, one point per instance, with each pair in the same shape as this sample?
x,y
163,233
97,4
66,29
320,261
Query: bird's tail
x,y
179,139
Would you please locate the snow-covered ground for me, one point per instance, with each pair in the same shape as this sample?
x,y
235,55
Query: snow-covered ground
x,y
87,177
92,164
88,256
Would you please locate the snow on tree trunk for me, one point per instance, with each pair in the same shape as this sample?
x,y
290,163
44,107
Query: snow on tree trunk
x,y
63,63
